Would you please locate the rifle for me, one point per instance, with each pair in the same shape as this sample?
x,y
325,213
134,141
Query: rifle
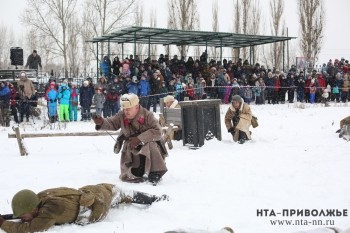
x,y
9,217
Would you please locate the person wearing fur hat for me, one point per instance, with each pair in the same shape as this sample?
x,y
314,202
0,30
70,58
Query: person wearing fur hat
x,y
143,152
238,119
171,102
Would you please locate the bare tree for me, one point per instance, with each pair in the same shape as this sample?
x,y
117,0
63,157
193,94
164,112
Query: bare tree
x,y
73,43
277,29
215,25
138,22
105,16
236,25
3,42
312,22
51,18
183,15
153,23
255,25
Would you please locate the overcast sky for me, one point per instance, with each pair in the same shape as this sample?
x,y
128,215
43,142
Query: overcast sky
x,y
336,42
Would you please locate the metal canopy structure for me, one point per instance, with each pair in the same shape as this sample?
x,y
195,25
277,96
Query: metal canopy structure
x,y
167,37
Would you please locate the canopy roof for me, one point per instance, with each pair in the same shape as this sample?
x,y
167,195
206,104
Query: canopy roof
x,y
147,35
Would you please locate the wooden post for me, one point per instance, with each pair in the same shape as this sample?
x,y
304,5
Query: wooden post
x,y
21,146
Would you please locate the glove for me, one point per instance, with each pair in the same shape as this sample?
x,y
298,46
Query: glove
x,y
231,130
134,142
98,120
1,220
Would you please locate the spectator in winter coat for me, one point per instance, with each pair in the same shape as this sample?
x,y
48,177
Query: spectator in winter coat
x,y
98,100
132,86
86,93
143,151
300,89
33,61
64,97
106,66
199,88
52,96
190,91
5,113
103,84
144,90
313,89
26,93
116,66
58,206
73,103
345,89
247,93
259,91
13,102
228,91
270,83
155,83
163,90
238,119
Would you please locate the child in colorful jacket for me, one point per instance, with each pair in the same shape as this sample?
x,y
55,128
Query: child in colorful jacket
x,y
98,100
64,97
51,97
73,103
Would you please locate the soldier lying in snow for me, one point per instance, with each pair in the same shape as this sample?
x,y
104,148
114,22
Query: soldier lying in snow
x,y
58,206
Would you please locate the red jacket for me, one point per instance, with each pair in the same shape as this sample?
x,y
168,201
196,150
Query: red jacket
x,y
13,96
277,84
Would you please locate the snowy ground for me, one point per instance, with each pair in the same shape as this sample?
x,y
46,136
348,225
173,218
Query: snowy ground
x,y
295,161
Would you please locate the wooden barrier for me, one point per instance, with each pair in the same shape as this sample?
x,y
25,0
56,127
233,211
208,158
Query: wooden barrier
x,y
20,137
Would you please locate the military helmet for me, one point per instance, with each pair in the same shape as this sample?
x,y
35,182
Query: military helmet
x,y
24,202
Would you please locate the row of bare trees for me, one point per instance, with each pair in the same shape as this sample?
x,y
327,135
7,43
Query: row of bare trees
x,y
59,29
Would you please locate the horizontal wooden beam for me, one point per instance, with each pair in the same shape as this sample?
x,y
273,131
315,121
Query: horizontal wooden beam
x,y
68,134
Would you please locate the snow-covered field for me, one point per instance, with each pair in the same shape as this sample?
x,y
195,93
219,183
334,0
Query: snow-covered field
x,y
295,161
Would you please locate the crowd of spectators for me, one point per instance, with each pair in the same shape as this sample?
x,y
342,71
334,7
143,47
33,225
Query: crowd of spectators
x,y
194,80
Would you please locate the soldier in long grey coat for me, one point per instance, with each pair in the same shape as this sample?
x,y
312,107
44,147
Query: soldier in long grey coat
x,y
238,119
58,206
143,152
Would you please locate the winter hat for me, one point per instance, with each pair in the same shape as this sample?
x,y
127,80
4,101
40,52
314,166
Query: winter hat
x,y
237,98
86,82
129,100
74,83
169,98
134,79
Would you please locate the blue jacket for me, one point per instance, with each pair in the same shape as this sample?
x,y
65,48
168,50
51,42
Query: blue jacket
x,y
64,94
144,88
5,96
132,88
52,94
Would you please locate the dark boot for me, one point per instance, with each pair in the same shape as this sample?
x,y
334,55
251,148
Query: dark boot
x,y
154,177
242,137
147,199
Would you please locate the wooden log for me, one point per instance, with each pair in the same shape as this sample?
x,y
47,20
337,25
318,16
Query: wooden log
x,y
22,148
67,134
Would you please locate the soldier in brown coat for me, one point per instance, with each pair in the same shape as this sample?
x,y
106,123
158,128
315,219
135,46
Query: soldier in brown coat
x,y
57,206
143,152
238,119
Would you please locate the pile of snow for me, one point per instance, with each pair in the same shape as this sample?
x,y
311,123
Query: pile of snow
x,y
295,161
